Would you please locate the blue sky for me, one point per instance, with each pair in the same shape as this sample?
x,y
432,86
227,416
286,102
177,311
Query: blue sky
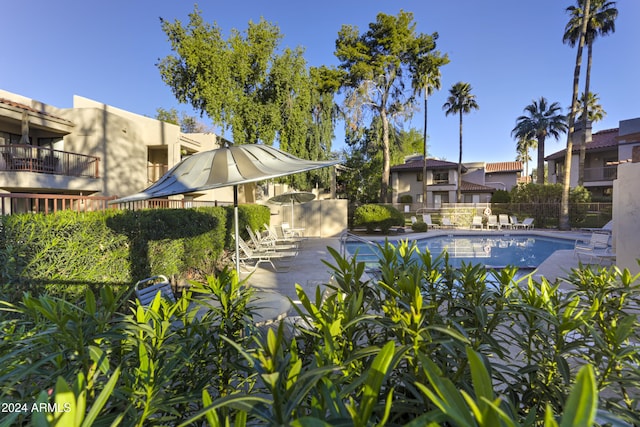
x,y
510,51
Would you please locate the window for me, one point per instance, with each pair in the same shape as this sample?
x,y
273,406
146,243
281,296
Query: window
x,y
418,198
441,177
419,177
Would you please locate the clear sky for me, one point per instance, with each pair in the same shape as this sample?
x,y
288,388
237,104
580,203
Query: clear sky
x,y
510,51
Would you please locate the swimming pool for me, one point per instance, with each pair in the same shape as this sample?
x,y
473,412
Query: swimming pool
x,y
492,250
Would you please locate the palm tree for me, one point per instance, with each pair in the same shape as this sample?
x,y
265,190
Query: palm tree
x,y
595,112
426,77
522,147
566,183
460,101
600,22
541,120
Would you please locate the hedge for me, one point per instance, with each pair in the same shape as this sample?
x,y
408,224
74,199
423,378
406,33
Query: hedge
x,y
377,216
65,252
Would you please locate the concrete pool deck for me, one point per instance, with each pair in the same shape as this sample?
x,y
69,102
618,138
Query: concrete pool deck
x,y
308,270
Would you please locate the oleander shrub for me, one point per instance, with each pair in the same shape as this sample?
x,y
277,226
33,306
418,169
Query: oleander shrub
x,y
372,217
413,342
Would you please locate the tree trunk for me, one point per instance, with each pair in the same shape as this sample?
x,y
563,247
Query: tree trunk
x,y
424,165
566,185
585,116
540,171
459,190
386,159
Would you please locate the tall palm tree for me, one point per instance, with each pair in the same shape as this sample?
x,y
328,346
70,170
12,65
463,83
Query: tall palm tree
x,y
541,120
601,22
426,79
522,147
460,101
564,223
595,112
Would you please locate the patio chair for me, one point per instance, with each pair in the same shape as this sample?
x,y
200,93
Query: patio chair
x,y
147,289
267,243
427,220
527,224
287,230
446,222
258,257
477,222
597,247
503,221
492,222
413,220
272,233
514,221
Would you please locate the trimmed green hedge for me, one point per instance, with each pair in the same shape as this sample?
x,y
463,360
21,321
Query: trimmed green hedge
x,y
65,252
377,216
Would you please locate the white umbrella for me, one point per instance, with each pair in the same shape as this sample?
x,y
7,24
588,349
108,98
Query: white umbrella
x,y
223,167
292,197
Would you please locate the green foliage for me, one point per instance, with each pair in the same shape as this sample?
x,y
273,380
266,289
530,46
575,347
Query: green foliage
x,y
64,253
544,201
248,83
377,216
422,344
406,198
500,196
419,226
388,56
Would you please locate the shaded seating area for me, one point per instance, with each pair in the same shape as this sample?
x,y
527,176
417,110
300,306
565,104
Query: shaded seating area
x,y
476,222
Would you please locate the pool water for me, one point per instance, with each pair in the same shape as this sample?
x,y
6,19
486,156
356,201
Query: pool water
x,y
526,252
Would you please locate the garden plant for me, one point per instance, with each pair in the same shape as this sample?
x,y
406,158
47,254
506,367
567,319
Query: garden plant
x,y
415,342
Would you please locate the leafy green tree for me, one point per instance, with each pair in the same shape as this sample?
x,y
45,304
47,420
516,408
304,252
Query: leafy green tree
x,y
187,123
378,64
460,101
245,84
601,21
541,120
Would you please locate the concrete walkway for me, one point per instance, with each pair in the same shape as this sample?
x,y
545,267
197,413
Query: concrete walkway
x,y
305,269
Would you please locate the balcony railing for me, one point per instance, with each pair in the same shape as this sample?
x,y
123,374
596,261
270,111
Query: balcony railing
x,y
29,158
604,173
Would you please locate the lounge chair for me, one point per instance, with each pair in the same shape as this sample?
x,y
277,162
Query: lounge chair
x,y
272,233
477,222
503,221
266,243
287,230
258,257
492,222
446,222
596,247
527,224
514,221
427,220
147,289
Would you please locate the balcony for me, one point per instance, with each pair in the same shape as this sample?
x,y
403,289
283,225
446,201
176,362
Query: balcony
x,y
604,173
29,158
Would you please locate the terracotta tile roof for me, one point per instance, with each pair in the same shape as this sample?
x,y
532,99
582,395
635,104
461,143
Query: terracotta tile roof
x,y
502,167
473,187
416,165
601,140
30,109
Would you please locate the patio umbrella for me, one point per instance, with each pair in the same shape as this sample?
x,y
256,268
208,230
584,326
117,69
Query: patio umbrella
x,y
292,197
223,167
